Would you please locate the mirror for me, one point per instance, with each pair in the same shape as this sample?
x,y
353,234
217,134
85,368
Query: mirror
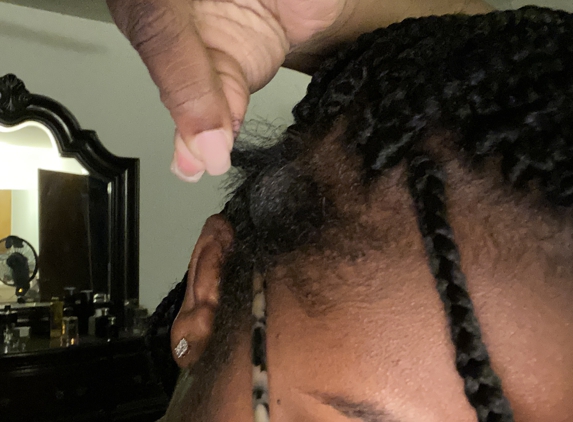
x,y
74,202
28,157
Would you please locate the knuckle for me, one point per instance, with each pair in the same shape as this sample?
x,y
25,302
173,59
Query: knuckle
x,y
187,95
150,26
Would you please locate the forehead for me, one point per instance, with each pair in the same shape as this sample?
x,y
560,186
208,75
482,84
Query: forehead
x,y
395,352
395,348
390,348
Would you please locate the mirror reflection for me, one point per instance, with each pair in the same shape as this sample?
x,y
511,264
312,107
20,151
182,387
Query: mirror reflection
x,y
54,219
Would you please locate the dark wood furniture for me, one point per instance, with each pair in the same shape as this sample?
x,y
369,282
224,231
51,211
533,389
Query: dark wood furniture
x,y
120,254
96,381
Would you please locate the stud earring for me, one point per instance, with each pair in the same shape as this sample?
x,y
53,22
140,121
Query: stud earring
x,y
181,348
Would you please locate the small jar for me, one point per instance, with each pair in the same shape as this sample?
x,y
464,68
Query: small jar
x,y
70,329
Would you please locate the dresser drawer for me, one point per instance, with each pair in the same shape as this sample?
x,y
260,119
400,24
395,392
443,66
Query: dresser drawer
x,y
103,382
134,380
46,393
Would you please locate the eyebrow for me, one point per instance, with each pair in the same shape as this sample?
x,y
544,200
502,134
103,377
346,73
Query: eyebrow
x,y
362,410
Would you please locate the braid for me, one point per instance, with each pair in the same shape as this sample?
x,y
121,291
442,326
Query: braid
x,y
157,337
501,83
482,385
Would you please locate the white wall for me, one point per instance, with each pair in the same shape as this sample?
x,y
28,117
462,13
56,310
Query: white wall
x,y
515,4
25,222
92,70
27,148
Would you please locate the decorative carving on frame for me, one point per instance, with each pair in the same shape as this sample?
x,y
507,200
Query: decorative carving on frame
x,y
18,105
14,97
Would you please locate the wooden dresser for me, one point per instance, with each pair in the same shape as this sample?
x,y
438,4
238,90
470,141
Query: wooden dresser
x,y
96,381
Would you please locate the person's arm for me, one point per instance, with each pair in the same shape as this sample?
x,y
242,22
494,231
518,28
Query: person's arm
x,y
367,15
207,56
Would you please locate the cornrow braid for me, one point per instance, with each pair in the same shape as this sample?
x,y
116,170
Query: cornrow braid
x,y
482,386
501,84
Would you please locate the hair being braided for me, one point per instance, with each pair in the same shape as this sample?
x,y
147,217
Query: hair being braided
x,y
501,83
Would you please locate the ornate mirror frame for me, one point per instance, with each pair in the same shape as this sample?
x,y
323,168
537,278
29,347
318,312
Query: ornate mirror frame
x,y
18,105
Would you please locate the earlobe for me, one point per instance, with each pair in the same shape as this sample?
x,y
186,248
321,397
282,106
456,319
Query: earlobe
x,y
193,326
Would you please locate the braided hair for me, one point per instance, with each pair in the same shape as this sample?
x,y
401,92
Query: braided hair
x,y
502,83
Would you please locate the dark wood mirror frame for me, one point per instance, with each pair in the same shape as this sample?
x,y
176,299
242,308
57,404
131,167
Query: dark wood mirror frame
x,y
18,105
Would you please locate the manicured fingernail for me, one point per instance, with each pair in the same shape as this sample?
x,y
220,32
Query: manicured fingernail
x,y
177,172
212,147
184,165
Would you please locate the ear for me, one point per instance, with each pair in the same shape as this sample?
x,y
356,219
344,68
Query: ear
x,y
193,325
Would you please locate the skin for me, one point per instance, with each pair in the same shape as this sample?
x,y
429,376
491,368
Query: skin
x,y
389,346
207,57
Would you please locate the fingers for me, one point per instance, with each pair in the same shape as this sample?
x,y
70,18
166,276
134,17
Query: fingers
x,y
190,85
185,165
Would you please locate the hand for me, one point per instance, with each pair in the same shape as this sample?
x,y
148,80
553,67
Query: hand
x,y
207,57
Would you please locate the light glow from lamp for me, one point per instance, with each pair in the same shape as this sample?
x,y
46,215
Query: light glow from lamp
x,y
22,156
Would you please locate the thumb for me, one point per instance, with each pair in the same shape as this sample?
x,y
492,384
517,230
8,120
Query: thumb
x,y
164,35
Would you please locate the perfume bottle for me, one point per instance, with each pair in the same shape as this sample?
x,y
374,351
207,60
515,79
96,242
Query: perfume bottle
x,y
56,315
8,333
100,302
130,307
70,329
102,322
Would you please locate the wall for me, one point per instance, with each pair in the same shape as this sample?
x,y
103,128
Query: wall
x,y
5,213
515,4
25,222
92,70
25,149
90,9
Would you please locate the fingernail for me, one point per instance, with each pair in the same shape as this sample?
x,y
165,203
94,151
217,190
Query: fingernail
x,y
212,147
184,165
177,172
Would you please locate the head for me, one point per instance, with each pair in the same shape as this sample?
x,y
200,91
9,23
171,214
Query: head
x,y
413,234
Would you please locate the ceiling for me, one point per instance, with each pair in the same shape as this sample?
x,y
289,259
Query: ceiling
x,y
97,9
88,9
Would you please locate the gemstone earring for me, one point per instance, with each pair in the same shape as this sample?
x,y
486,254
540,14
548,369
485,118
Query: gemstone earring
x,y
181,348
